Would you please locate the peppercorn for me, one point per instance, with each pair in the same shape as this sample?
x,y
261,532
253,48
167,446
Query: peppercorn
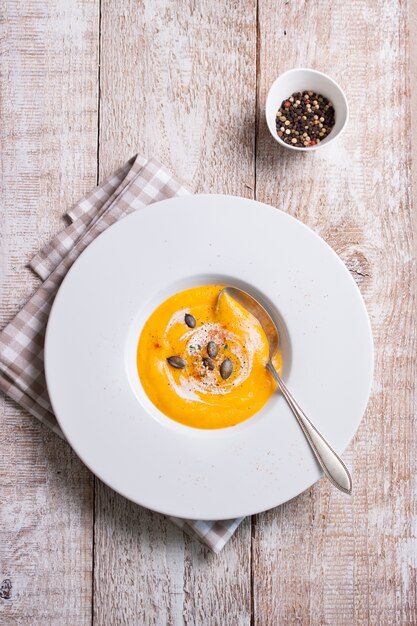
x,y
304,119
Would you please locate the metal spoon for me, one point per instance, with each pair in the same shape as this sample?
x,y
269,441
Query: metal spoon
x,y
331,463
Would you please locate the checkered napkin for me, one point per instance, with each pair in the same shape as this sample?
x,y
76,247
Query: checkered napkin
x,y
138,183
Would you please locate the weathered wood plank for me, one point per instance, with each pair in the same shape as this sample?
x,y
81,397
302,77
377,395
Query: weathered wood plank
x,y
324,558
48,78
177,83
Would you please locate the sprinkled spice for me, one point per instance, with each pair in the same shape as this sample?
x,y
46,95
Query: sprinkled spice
x,y
305,119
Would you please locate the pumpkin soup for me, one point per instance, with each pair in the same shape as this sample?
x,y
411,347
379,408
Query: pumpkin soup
x,y
201,359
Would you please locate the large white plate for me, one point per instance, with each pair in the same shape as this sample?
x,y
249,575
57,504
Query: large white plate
x,y
96,320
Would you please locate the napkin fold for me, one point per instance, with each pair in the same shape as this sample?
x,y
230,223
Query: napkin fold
x,y
136,184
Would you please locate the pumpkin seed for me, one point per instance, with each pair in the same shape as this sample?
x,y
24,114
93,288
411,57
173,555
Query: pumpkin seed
x,y
212,349
190,320
177,362
208,363
226,368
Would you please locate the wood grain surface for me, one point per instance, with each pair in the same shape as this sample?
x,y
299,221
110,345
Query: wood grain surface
x,y
48,120
172,103
84,85
331,559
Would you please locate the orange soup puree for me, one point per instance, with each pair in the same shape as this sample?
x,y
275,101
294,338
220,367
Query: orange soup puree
x,y
201,360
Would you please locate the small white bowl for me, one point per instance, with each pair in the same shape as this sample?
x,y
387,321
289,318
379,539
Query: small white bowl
x,y
302,79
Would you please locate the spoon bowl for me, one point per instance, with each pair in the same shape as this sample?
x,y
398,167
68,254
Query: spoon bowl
x,y
262,315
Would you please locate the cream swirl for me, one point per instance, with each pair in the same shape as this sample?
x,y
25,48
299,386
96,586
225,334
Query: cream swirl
x,y
206,383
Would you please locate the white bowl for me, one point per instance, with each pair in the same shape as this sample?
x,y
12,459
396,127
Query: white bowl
x,y
130,269
301,79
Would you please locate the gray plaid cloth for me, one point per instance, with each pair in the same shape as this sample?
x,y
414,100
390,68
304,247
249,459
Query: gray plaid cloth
x,y
138,183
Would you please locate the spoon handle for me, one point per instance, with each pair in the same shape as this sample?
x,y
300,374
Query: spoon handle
x,y
332,465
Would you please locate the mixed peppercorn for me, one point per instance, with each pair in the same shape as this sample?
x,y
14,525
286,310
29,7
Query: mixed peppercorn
x,y
305,119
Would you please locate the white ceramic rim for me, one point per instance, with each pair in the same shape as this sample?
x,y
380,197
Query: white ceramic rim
x,y
328,139
213,487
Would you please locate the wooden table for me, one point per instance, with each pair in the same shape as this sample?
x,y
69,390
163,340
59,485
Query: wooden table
x,y
85,85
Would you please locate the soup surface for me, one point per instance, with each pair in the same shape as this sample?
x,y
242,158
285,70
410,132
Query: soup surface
x,y
201,359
